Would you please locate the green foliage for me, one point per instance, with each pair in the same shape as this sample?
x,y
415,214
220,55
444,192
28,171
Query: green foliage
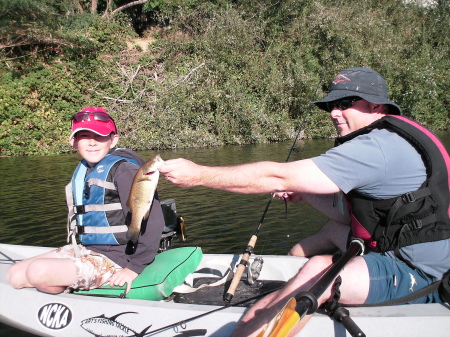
x,y
218,72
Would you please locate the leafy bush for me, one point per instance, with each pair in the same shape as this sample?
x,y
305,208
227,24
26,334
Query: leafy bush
x,y
218,72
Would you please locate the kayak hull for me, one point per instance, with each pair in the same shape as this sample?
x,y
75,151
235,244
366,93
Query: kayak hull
x,y
77,315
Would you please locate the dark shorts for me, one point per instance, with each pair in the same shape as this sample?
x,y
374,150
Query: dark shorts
x,y
391,279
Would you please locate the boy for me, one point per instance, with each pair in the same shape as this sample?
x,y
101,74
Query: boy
x,y
96,198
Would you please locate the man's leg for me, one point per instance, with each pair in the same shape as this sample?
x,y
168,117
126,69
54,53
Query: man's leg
x,y
354,290
332,237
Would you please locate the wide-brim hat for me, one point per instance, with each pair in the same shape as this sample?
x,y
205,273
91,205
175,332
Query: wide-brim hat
x,y
360,82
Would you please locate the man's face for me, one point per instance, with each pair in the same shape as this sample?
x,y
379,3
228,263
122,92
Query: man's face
x,y
357,116
93,147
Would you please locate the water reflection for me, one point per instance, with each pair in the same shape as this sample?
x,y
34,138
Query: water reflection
x,y
33,210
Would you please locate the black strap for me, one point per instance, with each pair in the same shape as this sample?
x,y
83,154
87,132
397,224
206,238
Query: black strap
x,y
331,305
406,199
444,289
413,296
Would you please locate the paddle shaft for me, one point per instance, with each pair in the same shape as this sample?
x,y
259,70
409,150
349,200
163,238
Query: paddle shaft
x,y
307,301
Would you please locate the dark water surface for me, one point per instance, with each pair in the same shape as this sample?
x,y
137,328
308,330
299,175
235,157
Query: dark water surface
x,y
33,209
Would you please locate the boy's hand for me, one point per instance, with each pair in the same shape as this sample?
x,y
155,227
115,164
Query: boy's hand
x,y
121,277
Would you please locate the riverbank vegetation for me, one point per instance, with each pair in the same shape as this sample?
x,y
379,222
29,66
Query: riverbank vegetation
x,y
177,73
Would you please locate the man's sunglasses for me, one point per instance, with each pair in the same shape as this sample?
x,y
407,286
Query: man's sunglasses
x,y
342,104
86,116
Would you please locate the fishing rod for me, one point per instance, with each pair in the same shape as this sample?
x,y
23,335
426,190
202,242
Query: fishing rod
x,y
210,312
9,259
251,244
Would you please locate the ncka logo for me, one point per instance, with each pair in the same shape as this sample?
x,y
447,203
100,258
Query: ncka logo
x,y
55,316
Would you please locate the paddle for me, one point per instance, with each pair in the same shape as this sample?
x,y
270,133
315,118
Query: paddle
x,y
305,302
251,244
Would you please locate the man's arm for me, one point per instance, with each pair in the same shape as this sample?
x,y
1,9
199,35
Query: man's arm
x,y
260,177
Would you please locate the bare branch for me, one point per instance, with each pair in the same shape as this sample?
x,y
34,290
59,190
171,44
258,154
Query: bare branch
x,y
94,6
134,3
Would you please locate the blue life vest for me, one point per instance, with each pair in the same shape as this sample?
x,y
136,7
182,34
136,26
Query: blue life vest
x,y
96,205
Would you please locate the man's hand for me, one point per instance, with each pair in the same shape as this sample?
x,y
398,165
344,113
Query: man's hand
x,y
290,196
180,172
121,277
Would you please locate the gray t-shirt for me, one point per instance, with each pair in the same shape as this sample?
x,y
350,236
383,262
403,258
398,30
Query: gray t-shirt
x,y
382,165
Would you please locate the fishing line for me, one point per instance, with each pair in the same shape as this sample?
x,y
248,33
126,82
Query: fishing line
x,y
293,148
183,322
244,262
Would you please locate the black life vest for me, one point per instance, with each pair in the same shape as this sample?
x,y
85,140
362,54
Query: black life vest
x,y
414,217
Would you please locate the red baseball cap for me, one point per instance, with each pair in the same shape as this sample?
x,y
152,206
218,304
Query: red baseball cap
x,y
93,119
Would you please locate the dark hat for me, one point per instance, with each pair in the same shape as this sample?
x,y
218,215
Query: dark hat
x,y
360,82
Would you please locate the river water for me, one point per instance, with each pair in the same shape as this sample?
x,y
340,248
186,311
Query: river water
x,y
33,209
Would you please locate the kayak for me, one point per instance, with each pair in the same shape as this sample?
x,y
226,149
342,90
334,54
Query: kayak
x,y
195,307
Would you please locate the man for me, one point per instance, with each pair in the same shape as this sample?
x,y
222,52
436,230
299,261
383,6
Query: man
x,y
99,190
379,168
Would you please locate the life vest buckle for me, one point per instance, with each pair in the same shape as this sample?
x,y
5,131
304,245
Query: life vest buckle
x,y
415,224
79,209
79,229
409,197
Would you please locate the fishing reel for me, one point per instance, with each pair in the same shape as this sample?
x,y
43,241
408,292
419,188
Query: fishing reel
x,y
254,270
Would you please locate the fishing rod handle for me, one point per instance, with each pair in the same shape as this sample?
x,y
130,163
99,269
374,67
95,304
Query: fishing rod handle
x,y
240,269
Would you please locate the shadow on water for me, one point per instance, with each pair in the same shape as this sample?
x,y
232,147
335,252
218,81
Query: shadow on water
x,y
33,209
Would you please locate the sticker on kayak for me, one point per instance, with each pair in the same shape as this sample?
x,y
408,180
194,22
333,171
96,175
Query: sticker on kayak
x,y
103,326
55,316
110,326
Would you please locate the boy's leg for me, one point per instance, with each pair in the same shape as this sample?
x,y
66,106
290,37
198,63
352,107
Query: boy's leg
x,y
17,273
59,269
52,275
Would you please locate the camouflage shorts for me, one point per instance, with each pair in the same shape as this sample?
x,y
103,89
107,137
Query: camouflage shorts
x,y
93,269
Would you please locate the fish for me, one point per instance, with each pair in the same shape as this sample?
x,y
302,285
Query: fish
x,y
141,195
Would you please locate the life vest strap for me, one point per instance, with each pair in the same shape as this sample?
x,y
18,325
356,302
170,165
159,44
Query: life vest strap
x,y
82,209
101,183
100,230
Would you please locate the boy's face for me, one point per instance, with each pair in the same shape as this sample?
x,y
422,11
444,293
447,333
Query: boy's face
x,y
93,147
